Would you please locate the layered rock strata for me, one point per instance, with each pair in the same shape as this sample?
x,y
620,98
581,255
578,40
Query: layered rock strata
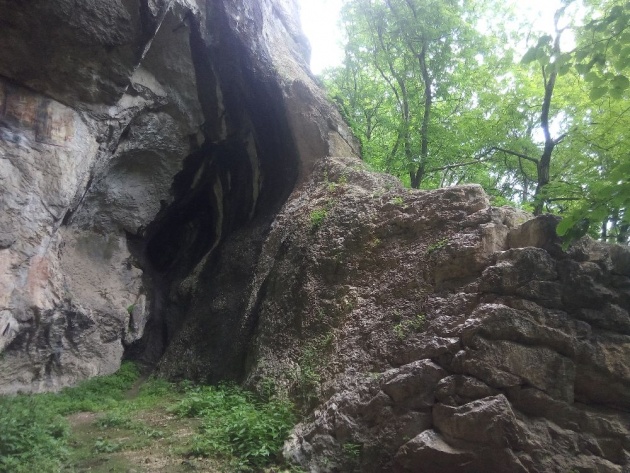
x,y
429,331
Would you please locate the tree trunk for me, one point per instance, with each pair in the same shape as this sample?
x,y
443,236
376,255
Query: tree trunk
x,y
426,117
545,160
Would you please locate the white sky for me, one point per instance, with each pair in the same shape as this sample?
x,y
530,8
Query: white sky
x,y
320,21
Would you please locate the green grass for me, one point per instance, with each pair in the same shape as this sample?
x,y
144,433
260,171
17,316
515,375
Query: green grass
x,y
34,433
236,431
247,432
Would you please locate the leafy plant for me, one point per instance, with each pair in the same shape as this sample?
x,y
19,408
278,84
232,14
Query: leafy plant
x,y
236,425
107,446
307,374
407,326
34,435
438,245
352,450
317,218
116,419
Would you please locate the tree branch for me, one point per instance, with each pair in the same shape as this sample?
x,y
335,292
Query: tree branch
x,y
514,153
456,165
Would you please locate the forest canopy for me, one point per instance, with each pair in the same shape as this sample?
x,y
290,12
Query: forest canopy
x,y
447,92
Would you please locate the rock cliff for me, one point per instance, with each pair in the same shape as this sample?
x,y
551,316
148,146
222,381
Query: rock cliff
x,y
135,135
431,332
169,193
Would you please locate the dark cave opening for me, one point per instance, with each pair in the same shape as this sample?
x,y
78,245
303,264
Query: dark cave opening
x,y
223,202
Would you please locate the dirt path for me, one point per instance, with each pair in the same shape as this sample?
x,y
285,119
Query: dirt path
x,y
149,440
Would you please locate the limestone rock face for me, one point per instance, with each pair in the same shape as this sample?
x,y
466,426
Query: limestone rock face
x,y
429,331
135,135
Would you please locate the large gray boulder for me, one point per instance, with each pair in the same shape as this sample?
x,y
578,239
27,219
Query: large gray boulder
x,y
428,331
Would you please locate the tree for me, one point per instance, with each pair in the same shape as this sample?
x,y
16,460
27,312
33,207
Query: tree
x,y
406,65
438,100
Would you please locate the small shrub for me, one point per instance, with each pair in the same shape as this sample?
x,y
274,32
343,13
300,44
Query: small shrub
x,y
352,450
407,326
438,245
107,446
237,426
317,217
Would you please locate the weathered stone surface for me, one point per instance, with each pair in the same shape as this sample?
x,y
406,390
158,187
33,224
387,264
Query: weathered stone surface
x,y
429,452
135,135
172,191
481,336
488,421
413,385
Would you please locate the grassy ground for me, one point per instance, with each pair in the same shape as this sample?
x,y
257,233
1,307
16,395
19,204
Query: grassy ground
x,y
123,423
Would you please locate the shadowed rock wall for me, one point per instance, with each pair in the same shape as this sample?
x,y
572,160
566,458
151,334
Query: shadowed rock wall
x,y
135,136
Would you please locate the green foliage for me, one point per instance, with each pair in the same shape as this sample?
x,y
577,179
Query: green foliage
x,y
107,446
408,326
247,432
438,245
237,426
32,437
606,197
352,450
115,419
398,200
317,217
433,92
602,56
307,374
94,394
33,433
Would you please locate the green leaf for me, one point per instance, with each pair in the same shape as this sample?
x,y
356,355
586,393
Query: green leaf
x,y
593,77
616,94
623,61
620,82
581,55
615,12
564,69
597,93
565,225
530,56
581,68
